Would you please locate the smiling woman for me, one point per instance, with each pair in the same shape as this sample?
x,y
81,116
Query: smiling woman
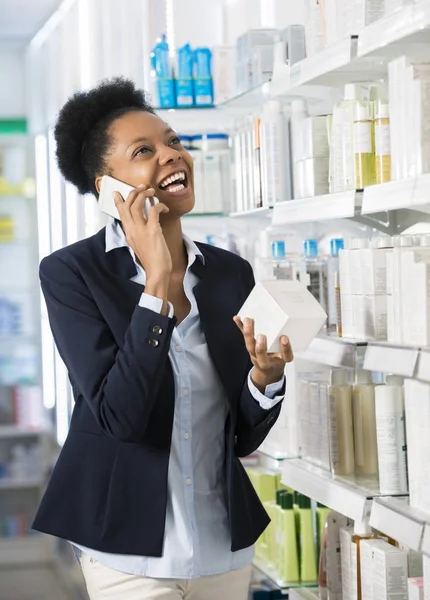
x,y
169,389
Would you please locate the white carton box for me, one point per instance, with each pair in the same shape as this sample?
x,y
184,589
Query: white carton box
x,y
311,177
284,308
390,572
315,139
224,72
347,313
416,588
374,270
415,284
426,570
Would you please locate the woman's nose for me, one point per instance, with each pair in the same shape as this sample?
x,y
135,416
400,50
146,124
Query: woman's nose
x,y
168,155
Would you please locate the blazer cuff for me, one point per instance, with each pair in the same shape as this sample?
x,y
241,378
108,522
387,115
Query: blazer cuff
x,y
274,393
154,304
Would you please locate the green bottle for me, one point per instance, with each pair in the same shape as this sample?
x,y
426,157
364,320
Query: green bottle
x,y
308,561
289,570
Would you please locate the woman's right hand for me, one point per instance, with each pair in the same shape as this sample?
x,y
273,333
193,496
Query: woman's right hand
x,y
145,237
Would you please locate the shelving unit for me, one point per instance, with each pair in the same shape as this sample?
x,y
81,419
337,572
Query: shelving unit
x,y
350,496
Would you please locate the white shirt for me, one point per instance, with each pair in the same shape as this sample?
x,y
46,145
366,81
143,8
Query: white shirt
x,y
197,539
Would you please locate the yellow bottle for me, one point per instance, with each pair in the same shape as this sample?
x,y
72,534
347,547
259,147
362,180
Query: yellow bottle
x,y
364,145
289,569
382,142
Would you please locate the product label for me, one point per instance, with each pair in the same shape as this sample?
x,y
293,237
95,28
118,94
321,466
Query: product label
x,y
382,139
354,572
392,453
362,137
334,437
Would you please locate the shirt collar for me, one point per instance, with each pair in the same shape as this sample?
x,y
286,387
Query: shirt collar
x,y
115,238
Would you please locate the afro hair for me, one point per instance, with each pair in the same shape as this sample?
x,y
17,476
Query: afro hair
x,y
81,131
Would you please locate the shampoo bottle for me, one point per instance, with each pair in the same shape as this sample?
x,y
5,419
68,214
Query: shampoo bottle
x,y
275,154
364,147
363,401
289,570
283,268
382,142
308,563
391,436
340,424
332,266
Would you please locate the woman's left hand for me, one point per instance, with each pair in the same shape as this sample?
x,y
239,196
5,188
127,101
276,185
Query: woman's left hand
x,y
268,367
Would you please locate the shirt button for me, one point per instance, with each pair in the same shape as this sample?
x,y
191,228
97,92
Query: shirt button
x,y
188,481
178,348
185,392
186,436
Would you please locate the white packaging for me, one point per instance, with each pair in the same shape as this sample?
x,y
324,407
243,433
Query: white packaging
x,y
366,569
315,138
391,437
366,12
426,576
358,316
346,534
393,5
217,191
314,31
199,182
347,310
311,177
418,130
284,307
356,265
389,265
374,268
374,318
390,572
415,290
324,442
345,272
224,73
415,588
293,38
275,155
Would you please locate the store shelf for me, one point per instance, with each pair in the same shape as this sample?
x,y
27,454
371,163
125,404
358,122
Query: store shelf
x,y
408,25
318,208
24,551
423,369
267,460
249,100
425,545
397,519
195,120
254,213
350,496
388,358
21,484
335,352
13,431
271,573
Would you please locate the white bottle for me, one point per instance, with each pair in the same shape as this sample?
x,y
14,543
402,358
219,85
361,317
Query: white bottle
x,y
275,154
332,268
340,424
391,436
363,404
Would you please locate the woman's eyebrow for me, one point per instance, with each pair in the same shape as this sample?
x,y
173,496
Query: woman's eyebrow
x,y
145,139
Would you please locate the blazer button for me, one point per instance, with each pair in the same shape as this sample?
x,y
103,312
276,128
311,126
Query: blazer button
x,y
157,330
153,343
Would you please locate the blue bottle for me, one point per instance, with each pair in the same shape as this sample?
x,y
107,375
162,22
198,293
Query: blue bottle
x,y
160,62
184,81
203,85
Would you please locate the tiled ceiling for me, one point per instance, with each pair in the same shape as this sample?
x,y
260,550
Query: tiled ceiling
x,y
21,19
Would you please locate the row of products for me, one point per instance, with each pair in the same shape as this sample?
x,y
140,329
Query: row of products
x,y
376,278
212,174
328,21
19,365
184,84
10,317
23,462
13,173
355,429
15,525
6,229
21,406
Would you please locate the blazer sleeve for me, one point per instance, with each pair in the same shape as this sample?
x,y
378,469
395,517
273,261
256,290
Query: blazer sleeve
x,y
253,422
120,385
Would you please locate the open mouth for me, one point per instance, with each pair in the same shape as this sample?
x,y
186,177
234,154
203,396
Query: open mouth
x,y
174,183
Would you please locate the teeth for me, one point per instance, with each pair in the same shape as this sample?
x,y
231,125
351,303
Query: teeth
x,y
176,177
177,188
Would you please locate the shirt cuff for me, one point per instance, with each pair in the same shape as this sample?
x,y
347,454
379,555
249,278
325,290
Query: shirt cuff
x,y
154,304
272,395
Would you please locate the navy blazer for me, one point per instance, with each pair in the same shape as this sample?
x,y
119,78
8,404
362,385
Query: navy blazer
x,y
108,490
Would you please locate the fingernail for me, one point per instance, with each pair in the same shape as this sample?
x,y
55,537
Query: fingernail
x,y
260,339
284,341
247,321
142,185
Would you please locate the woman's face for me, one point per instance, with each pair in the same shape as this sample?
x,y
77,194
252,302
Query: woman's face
x,y
145,150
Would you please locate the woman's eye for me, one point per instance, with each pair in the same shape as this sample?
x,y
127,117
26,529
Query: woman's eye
x,y
174,141
143,150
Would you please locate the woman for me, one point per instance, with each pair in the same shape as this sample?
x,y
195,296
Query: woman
x,y
170,387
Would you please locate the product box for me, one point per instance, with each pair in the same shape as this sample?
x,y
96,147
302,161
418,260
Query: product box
x,y
416,588
199,182
374,270
315,142
203,91
166,89
375,318
415,284
184,91
293,38
311,177
314,27
347,312
366,568
387,560
223,69
284,307
418,100
366,12
262,62
345,272
426,576
345,537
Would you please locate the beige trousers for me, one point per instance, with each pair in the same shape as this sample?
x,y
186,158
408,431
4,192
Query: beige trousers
x,y
104,583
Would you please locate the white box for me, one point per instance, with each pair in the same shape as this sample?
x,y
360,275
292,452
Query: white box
x,y
390,572
389,265
346,534
315,142
416,588
345,272
311,177
415,290
224,73
356,272
358,311
347,313
375,318
284,308
314,29
418,104
426,576
366,569
366,12
324,437
393,5
373,263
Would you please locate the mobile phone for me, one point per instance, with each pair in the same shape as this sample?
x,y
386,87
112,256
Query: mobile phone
x,y
106,201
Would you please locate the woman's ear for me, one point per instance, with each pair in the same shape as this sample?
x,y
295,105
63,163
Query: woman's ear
x,y
98,183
